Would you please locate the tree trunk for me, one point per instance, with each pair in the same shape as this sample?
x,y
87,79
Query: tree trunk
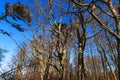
x,y
118,41
62,61
81,46
117,19
80,63
61,74
41,67
46,75
81,36
118,50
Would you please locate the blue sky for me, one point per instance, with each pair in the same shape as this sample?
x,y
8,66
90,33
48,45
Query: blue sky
x,y
5,41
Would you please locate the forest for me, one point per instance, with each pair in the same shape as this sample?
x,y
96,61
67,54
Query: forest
x,y
62,39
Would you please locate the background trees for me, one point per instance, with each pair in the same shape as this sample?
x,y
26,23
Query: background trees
x,y
69,40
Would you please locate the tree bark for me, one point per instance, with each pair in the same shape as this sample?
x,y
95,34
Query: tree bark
x,y
46,75
81,70
118,40
81,46
62,61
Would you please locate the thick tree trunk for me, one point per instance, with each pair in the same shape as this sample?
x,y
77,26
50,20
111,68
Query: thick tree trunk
x,y
61,74
62,61
61,70
46,75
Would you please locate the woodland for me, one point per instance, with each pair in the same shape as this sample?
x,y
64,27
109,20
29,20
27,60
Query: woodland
x,y
68,40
